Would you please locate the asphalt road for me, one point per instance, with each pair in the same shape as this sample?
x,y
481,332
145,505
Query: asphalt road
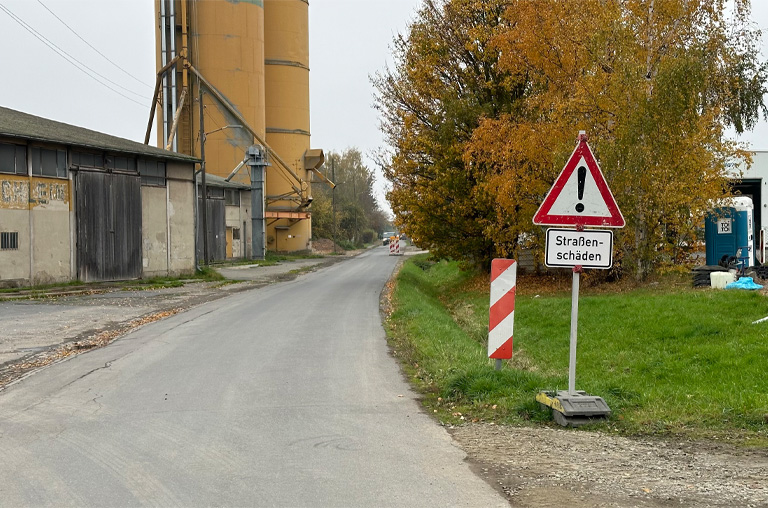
x,y
280,396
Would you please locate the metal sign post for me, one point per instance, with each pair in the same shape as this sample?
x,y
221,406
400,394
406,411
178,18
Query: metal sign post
x,y
574,326
579,197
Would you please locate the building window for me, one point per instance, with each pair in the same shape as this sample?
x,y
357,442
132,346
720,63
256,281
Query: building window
x,y
102,161
120,163
9,241
88,160
152,172
235,233
215,192
232,197
48,162
13,159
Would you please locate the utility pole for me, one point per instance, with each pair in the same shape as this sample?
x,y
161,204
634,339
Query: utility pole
x,y
202,178
333,201
356,201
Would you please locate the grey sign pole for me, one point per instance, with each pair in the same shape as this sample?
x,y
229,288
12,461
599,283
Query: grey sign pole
x,y
257,162
574,326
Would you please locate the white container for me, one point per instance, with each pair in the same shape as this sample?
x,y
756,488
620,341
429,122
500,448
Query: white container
x,y
720,279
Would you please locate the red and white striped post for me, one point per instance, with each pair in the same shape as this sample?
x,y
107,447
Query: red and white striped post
x,y
502,313
394,247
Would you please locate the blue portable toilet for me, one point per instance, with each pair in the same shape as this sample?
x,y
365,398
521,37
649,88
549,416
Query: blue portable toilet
x,y
729,231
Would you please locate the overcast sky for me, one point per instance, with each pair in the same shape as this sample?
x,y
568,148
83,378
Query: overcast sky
x,y
349,41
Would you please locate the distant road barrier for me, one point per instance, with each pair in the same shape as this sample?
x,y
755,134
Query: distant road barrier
x,y
394,247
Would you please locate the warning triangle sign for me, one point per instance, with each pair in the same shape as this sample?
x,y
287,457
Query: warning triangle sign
x,y
580,196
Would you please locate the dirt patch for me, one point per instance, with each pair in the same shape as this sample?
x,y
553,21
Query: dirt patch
x,y
14,371
325,246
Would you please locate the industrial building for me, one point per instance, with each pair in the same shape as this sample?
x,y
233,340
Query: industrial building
x,y
752,182
229,217
233,74
80,204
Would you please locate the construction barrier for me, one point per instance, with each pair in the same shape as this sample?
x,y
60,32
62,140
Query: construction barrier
x,y
502,312
394,247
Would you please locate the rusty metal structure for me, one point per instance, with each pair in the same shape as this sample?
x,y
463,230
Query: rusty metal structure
x,y
244,66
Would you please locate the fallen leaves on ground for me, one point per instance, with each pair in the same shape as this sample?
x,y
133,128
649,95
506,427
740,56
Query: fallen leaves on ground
x,y
18,370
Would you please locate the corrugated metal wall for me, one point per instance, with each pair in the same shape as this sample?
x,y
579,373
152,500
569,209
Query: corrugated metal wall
x,y
108,211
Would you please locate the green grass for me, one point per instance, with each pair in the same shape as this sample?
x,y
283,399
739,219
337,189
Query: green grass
x,y
271,258
205,274
41,287
667,361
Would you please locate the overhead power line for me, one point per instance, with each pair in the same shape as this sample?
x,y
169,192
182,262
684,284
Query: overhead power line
x,y
74,61
93,47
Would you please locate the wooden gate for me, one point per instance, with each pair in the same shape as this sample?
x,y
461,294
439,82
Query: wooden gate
x,y
108,208
217,239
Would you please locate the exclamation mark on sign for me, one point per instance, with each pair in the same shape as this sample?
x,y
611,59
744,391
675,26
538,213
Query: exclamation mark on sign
x,y
582,179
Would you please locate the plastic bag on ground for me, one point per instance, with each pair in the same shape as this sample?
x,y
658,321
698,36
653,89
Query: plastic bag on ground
x,y
743,283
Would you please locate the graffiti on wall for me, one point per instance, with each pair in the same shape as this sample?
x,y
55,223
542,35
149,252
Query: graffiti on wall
x,y
18,193
14,194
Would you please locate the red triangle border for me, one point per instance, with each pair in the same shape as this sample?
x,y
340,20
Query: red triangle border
x,y
543,216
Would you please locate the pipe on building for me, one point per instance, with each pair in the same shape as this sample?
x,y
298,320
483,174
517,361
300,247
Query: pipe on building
x,y
273,155
155,97
172,136
172,18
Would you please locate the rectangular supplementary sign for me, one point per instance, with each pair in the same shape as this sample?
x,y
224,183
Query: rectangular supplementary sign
x,y
589,248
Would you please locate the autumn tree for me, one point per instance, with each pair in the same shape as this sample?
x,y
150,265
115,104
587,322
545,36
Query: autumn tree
x,y
446,78
350,209
654,83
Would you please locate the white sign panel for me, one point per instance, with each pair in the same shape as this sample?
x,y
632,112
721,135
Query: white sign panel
x,y
724,227
580,195
589,248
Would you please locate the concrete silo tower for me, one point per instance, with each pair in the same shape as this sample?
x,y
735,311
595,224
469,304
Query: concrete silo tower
x,y
224,41
286,54
251,60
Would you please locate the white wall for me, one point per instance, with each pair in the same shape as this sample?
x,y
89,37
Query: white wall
x,y
757,171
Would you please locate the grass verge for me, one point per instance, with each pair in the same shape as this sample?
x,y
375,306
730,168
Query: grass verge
x,y
204,274
271,258
667,360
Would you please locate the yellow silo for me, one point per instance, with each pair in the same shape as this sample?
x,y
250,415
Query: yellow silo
x,y
225,44
255,54
286,57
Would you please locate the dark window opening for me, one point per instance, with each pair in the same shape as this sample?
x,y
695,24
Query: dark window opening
x,y
9,240
13,159
152,172
215,192
232,197
48,162
122,163
88,160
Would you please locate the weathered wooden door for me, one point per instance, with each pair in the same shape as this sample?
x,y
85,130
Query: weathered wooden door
x,y
217,239
108,208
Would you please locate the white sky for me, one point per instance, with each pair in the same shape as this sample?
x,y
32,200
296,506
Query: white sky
x,y
349,41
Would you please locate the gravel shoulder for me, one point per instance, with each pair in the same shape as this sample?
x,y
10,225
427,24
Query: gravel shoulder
x,y
552,467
